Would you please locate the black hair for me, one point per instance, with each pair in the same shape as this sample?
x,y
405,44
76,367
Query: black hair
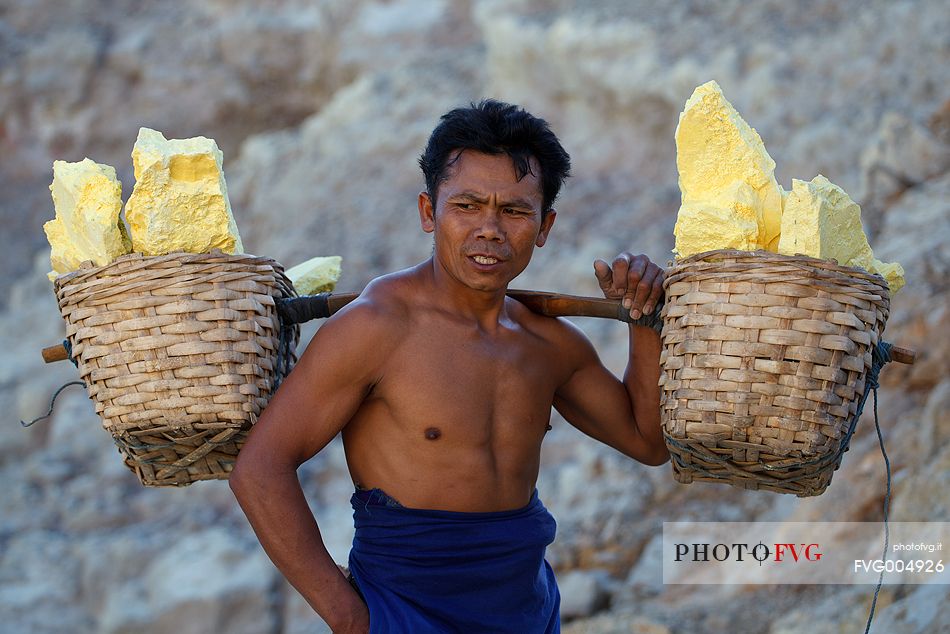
x,y
494,127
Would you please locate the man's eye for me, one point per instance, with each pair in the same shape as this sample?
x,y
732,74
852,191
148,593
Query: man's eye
x,y
465,206
514,212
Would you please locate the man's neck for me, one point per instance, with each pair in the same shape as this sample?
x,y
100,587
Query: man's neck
x,y
485,307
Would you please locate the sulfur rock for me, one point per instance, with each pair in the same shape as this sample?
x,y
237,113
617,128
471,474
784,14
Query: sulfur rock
x,y
316,275
88,200
892,272
180,199
725,176
727,219
821,221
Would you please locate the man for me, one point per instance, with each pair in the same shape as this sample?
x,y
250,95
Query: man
x,y
442,388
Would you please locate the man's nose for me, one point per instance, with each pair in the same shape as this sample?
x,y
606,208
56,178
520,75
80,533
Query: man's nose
x,y
489,227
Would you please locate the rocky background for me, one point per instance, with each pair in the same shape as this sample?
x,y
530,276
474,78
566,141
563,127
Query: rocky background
x,y
321,109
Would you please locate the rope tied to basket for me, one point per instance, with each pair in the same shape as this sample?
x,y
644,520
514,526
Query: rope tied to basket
x,y
52,402
69,353
293,311
49,412
881,357
299,310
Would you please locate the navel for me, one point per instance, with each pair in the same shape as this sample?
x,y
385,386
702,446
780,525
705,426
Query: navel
x,y
433,433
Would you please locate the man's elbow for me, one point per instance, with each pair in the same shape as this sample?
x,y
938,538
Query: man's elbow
x,y
658,455
238,479
245,474
659,458
650,455
256,470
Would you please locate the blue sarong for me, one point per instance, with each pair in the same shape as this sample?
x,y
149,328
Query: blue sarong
x,y
427,571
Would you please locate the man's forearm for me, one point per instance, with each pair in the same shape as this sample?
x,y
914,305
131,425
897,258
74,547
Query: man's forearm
x,y
642,382
278,512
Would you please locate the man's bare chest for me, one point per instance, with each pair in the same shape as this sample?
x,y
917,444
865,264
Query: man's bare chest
x,y
452,379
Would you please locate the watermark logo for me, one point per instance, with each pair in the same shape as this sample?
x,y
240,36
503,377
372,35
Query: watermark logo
x,y
704,551
803,552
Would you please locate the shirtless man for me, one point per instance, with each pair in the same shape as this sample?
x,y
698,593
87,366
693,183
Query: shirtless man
x,y
442,388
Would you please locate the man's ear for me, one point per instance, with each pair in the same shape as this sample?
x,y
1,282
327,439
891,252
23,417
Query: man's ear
x,y
426,212
546,225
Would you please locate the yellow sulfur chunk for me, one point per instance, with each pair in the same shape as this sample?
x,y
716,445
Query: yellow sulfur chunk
x,y
88,199
726,220
715,149
892,272
180,200
821,221
316,275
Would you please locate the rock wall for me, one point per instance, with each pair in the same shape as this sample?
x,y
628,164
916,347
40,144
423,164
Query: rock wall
x,y
321,110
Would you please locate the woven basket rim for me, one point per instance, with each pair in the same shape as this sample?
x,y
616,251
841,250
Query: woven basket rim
x,y
763,257
88,269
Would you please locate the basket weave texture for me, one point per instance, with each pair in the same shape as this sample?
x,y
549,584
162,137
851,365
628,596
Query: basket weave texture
x,y
764,360
179,353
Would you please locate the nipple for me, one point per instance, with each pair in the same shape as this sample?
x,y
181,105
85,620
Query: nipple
x,y
433,433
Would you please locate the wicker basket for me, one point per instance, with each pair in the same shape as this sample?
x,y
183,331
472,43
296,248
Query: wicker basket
x,y
764,360
180,353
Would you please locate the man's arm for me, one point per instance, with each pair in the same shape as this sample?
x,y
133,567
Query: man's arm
x,y
313,404
623,414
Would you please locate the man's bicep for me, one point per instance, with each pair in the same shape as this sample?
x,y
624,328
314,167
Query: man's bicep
x,y
599,404
594,401
592,398
324,391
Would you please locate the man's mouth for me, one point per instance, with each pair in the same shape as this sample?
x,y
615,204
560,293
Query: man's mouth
x,y
484,259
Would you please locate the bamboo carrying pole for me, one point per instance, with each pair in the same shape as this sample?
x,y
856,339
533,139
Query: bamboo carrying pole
x,y
541,302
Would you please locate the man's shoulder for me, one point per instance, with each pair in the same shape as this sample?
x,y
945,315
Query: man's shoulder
x,y
384,302
556,331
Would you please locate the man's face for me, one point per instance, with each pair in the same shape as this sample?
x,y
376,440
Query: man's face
x,y
486,222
